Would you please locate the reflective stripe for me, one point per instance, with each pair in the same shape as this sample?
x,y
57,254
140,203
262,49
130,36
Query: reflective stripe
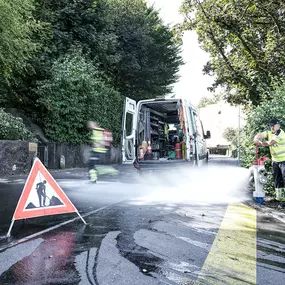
x,y
280,194
98,141
277,151
93,175
99,149
106,169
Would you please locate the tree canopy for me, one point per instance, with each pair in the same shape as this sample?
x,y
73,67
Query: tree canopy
x,y
245,40
122,48
74,94
148,56
17,25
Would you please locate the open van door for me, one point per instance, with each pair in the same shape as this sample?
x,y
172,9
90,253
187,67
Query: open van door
x,y
129,131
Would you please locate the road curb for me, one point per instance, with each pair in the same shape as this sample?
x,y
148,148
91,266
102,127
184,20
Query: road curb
x,y
275,214
76,173
267,210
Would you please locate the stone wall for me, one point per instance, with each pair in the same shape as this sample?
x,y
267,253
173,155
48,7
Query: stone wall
x,y
66,155
16,156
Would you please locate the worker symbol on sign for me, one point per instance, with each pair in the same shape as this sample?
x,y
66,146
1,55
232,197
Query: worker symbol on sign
x,y
42,195
41,190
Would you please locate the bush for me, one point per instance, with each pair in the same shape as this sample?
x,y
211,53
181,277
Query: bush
x,y
257,122
269,186
12,128
75,94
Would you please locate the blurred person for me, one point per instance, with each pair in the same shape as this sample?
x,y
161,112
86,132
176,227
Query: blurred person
x,y
275,140
101,141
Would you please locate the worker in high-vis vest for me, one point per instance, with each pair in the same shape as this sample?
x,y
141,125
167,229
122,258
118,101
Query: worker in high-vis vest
x,y
99,139
275,140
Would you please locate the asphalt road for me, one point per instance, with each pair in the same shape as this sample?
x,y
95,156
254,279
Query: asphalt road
x,y
182,227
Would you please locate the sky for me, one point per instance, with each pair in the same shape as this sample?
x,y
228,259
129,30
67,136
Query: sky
x,y
192,84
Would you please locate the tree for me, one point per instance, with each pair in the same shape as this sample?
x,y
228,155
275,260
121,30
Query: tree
x,y
257,122
149,56
206,101
67,23
231,134
74,94
133,47
257,119
124,48
17,26
245,40
127,41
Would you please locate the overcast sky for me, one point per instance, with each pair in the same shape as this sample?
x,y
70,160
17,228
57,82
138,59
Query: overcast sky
x,y
192,84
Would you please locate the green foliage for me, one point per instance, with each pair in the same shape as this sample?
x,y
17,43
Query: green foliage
x,y
149,57
248,149
231,135
245,40
17,26
12,128
74,94
206,101
124,46
269,186
257,122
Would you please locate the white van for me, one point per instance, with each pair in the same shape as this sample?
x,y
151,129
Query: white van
x,y
162,132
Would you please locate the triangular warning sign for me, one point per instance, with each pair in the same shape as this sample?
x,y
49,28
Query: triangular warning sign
x,y
42,196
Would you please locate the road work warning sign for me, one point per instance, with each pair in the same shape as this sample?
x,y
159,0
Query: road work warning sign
x,y
42,196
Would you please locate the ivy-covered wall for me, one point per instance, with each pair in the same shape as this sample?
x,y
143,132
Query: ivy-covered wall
x,y
16,156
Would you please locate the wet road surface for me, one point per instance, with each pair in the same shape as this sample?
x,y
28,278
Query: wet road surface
x,y
174,229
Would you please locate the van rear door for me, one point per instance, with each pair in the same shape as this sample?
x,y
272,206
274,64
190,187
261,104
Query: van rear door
x,y
129,131
200,142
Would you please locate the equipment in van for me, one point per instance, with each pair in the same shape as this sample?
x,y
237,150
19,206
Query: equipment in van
x,y
178,150
149,154
149,147
172,129
141,152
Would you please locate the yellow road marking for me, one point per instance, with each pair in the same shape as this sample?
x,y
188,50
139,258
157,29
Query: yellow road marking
x,y
232,259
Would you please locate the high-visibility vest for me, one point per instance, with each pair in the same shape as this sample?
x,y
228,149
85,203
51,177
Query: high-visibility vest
x,y
277,151
97,138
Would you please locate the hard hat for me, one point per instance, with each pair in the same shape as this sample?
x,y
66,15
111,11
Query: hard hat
x,y
274,122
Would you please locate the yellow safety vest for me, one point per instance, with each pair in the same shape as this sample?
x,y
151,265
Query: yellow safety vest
x,y
97,138
278,150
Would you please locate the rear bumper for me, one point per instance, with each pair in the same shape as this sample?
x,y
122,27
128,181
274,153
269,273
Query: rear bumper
x,y
156,165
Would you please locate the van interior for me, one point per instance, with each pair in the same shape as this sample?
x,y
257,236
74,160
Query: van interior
x,y
161,131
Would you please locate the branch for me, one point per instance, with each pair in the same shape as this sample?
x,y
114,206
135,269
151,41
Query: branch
x,y
212,36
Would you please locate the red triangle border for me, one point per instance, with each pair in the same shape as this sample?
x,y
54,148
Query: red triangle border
x,y
21,213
